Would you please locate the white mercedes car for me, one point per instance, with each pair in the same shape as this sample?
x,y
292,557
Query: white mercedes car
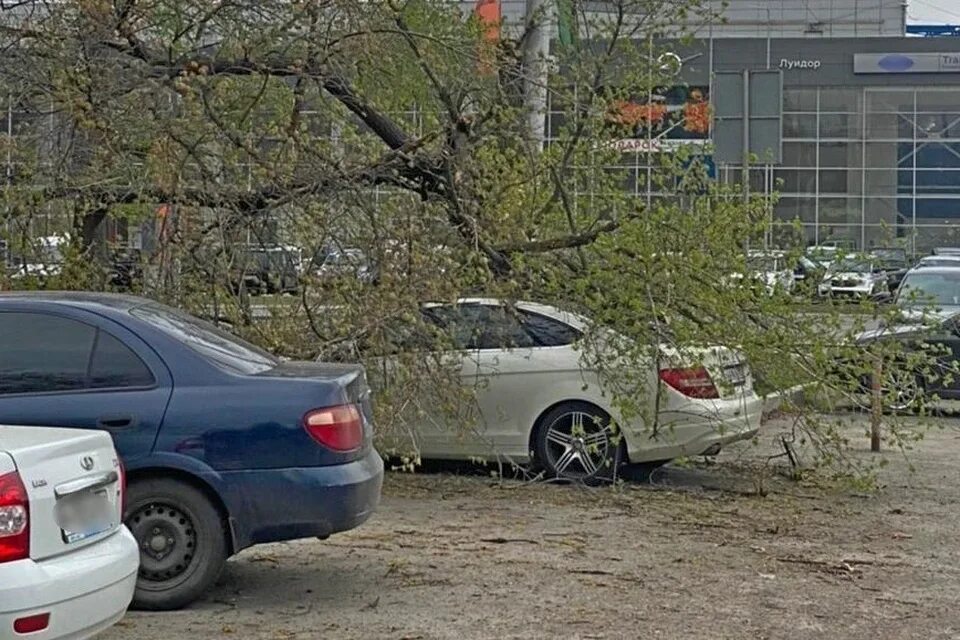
x,y
537,399
68,566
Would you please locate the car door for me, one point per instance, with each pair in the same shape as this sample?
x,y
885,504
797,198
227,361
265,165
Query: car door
x,y
945,345
71,368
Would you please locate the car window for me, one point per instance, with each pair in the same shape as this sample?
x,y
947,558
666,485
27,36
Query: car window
x,y
547,332
480,326
219,347
114,365
41,353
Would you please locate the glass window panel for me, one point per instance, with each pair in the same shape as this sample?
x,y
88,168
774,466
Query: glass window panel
x,y
799,125
936,155
934,210
937,100
890,101
790,208
786,235
927,238
938,181
938,125
845,235
840,154
832,99
800,100
795,180
886,126
840,210
887,235
799,154
840,125
841,181
888,182
889,211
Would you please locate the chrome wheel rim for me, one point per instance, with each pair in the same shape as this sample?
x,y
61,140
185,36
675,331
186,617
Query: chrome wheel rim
x,y
578,445
900,390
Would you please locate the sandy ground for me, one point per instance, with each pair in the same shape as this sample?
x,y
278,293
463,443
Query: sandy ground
x,y
690,553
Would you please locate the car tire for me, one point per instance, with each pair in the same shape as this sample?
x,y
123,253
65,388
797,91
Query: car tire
x,y
577,441
902,391
182,540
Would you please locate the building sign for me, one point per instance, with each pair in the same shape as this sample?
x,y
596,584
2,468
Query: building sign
x,y
906,63
670,117
795,65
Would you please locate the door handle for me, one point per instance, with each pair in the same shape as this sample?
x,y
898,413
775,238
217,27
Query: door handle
x,y
115,423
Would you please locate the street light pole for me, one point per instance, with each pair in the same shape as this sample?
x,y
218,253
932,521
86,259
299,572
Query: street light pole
x,y
536,53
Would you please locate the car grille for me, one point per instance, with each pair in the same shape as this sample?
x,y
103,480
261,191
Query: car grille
x,y
846,283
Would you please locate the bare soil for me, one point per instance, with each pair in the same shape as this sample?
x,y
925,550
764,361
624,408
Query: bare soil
x,y
691,552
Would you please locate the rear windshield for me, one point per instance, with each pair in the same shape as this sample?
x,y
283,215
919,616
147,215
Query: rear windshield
x,y
219,347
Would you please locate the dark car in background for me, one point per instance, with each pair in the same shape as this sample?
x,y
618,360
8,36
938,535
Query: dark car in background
x,y
929,303
266,268
894,262
225,445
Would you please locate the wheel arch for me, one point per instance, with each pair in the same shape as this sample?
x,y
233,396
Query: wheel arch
x,y
179,475
538,423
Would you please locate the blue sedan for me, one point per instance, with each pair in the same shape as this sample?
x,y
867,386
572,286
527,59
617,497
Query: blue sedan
x,y
224,445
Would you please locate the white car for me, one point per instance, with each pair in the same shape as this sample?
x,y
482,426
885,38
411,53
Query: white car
x,y
68,566
770,268
537,399
855,277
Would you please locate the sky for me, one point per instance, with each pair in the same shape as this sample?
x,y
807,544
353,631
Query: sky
x,y
933,11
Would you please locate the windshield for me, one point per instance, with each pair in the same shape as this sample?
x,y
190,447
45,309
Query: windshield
x,y
890,256
763,264
853,265
930,288
219,347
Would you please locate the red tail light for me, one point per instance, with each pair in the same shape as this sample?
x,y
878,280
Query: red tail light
x,y
339,428
32,624
14,519
693,382
122,487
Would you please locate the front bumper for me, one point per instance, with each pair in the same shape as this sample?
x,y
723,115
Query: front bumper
x,y
84,591
699,427
862,290
271,505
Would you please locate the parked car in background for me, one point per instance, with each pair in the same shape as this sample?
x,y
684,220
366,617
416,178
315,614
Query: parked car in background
x,y
929,290
770,268
939,261
338,263
68,565
44,261
946,251
267,268
856,277
538,401
225,445
894,262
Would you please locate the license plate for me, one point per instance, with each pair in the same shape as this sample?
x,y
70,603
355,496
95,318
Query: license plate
x,y
736,374
84,515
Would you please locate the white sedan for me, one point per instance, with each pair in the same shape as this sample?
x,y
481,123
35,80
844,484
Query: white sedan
x,y
68,566
537,400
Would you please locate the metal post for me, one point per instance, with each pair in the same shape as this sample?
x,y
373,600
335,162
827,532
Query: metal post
x,y
876,414
536,50
746,136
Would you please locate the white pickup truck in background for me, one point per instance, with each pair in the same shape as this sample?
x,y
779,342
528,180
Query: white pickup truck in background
x,y
68,565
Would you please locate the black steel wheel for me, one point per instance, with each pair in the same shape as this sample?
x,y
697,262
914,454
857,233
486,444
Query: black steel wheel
x,y
183,544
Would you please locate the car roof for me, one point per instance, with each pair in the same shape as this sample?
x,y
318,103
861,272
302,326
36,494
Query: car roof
x,y
937,269
117,301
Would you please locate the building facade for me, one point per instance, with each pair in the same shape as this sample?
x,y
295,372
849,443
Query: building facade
x,y
870,130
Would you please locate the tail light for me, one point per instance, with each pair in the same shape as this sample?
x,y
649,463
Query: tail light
x,y
693,382
14,519
339,428
122,487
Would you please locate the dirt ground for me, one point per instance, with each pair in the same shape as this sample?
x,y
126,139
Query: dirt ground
x,y
690,553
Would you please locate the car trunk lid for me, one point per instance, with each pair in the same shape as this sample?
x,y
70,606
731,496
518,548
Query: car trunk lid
x,y
73,483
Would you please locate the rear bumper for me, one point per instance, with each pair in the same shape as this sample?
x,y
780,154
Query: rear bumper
x,y
84,591
271,505
699,428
